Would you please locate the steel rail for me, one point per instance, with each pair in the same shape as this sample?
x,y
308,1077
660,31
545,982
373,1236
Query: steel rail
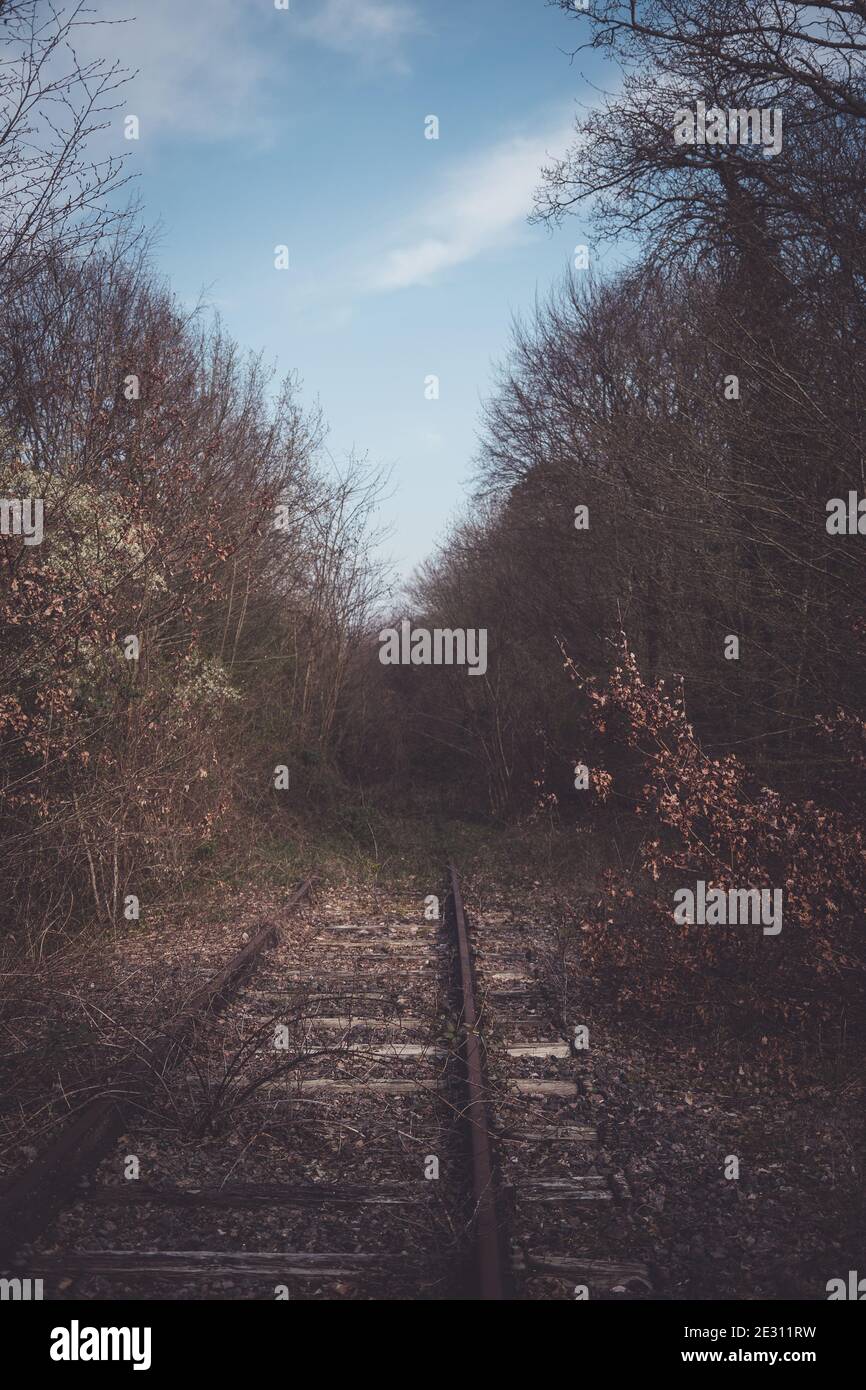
x,y
489,1270
30,1201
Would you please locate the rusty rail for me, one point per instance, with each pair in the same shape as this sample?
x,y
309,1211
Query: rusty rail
x,y
30,1201
490,1274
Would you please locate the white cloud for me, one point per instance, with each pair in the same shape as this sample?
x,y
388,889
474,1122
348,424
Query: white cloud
x,y
198,67
216,69
370,28
482,206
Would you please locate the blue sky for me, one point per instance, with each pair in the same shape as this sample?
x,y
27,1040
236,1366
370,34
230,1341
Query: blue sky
x,y
408,256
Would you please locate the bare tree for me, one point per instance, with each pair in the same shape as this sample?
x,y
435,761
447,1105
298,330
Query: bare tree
x,y
817,48
727,198
53,194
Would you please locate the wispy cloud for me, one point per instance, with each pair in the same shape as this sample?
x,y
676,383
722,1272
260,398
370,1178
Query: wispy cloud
x,y
479,207
216,69
372,29
199,68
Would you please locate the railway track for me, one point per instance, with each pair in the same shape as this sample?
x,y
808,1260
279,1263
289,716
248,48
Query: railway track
x,y
377,1107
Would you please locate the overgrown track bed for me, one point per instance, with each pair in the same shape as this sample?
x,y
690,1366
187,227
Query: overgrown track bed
x,y
28,1201
306,1144
383,1111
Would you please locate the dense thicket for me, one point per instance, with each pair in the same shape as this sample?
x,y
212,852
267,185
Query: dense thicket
x,y
185,506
